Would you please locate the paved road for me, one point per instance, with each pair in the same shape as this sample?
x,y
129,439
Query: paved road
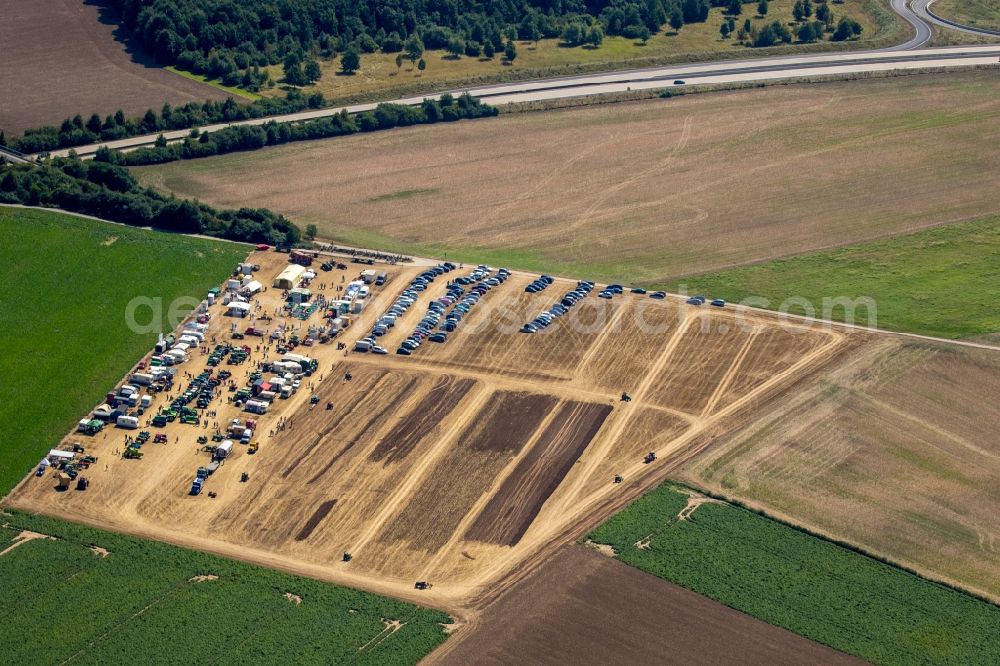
x,y
899,57
922,30
924,12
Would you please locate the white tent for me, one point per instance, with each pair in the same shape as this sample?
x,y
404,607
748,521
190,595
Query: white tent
x,y
56,453
253,286
238,309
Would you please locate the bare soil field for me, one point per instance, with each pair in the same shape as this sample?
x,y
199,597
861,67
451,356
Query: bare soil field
x,y
582,607
63,57
455,465
641,192
895,451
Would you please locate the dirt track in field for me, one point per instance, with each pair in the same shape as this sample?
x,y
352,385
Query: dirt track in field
x,y
466,462
512,509
895,450
643,192
581,607
62,57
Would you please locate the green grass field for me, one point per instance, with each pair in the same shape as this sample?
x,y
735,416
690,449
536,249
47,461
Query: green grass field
x,y
976,13
143,603
943,282
810,586
65,342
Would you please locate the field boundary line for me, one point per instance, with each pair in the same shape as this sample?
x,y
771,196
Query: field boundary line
x,y
498,481
598,342
599,452
727,378
393,504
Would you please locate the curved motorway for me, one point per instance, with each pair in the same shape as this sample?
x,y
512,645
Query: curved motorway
x,y
907,55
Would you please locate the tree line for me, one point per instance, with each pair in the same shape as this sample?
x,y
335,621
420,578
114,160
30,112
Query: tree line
x,y
110,192
77,131
272,133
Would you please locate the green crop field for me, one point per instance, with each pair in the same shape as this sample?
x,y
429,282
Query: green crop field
x,y
943,282
808,585
151,603
67,282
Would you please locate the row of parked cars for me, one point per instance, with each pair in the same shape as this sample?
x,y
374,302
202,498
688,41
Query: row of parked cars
x,y
571,298
461,303
539,284
658,295
700,300
402,303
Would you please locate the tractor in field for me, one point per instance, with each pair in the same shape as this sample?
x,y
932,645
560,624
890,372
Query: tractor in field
x,y
422,585
626,397
650,457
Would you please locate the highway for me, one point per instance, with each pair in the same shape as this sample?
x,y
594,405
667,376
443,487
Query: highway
x,y
908,55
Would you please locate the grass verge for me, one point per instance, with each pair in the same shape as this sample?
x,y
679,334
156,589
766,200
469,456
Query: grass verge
x,y
808,585
67,282
983,14
97,597
215,83
943,282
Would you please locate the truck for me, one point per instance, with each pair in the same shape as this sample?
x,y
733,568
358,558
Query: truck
x,y
300,258
141,379
197,485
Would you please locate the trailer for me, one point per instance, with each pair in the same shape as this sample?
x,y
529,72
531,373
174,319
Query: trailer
x,y
223,450
256,407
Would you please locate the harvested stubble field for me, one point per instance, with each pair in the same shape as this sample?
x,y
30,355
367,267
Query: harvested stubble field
x,y
895,451
63,57
460,462
646,191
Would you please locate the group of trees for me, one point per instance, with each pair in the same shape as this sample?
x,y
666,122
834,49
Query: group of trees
x,y
252,137
233,39
110,192
76,131
805,30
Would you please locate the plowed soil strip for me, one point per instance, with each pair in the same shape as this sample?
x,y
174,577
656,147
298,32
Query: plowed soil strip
x,y
515,505
319,514
342,414
370,427
431,410
492,439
